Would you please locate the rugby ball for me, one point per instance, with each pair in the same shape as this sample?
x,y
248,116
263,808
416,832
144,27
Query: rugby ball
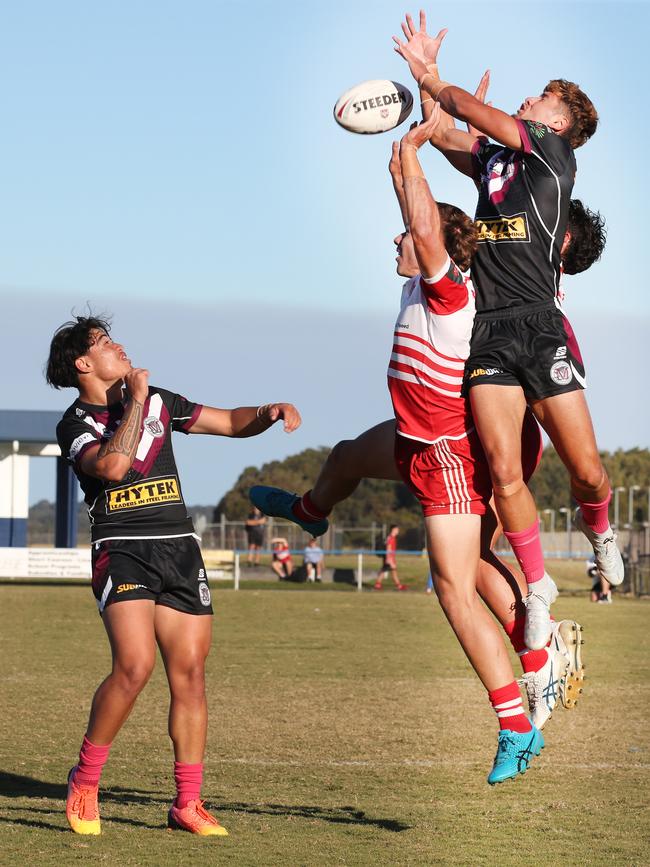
x,y
373,106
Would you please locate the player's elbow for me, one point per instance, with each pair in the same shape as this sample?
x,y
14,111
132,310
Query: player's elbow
x,y
112,468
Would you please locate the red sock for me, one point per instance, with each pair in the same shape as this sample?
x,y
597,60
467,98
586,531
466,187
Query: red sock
x,y
188,782
531,660
305,510
509,708
91,762
596,515
527,547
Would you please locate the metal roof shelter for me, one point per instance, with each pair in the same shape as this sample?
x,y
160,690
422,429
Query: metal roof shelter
x,y
32,433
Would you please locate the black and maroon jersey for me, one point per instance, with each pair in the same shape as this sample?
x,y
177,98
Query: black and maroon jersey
x,y
148,502
521,217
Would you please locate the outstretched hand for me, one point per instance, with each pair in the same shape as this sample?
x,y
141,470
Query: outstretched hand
x,y
420,49
480,93
419,133
394,166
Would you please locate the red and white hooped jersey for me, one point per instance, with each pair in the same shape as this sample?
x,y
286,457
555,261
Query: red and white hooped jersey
x,y
430,347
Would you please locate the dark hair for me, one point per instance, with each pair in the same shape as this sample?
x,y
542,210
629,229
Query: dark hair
x,y
393,527
588,235
71,340
460,234
583,118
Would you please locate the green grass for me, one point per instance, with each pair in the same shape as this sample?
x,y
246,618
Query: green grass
x,y
345,729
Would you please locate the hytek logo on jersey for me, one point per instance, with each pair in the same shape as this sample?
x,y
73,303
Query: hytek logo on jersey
x,y
142,494
514,228
561,373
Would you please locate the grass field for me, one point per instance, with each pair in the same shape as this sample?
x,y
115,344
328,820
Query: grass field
x,y
346,729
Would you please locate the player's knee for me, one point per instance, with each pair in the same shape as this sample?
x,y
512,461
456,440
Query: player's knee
x,y
455,599
588,472
133,675
188,679
507,478
338,459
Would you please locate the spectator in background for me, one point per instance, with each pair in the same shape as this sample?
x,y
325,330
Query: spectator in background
x,y
601,589
282,564
255,535
390,562
314,558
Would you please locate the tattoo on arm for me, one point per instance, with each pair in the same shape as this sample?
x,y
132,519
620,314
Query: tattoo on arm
x,y
127,436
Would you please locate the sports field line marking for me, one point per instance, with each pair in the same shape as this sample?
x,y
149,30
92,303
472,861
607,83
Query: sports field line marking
x,y
416,763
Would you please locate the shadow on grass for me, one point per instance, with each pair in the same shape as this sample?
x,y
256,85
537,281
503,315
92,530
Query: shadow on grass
x,y
336,815
17,786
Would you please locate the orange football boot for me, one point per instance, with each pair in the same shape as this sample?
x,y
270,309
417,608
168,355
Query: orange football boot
x,y
195,819
81,808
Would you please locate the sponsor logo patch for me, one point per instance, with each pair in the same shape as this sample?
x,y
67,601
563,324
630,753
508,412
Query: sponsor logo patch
x,y
124,588
503,228
484,371
143,494
561,373
154,426
204,594
560,352
201,574
80,442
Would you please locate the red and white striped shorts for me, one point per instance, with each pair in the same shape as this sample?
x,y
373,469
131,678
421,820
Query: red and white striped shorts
x,y
451,476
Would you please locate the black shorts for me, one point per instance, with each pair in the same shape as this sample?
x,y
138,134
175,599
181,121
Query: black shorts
x,y
533,347
255,536
169,571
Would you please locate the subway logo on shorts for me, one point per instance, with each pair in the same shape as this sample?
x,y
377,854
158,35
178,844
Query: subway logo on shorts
x,y
503,228
152,492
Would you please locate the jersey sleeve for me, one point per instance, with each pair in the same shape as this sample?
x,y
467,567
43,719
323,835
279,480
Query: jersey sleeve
x,y
75,437
184,412
446,292
539,140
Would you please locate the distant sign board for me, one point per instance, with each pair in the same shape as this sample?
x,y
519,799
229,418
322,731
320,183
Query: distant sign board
x,y
44,563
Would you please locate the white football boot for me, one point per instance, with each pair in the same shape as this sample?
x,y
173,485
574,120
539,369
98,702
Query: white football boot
x,y
541,595
543,686
608,558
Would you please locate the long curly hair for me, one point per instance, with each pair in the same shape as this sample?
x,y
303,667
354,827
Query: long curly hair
x,y
588,236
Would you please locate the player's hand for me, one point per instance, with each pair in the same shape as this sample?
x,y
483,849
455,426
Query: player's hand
x,y
273,412
394,166
419,133
420,49
480,93
137,384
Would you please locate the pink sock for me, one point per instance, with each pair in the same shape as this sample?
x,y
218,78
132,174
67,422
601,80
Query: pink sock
x,y
189,779
596,515
531,660
527,547
508,706
91,762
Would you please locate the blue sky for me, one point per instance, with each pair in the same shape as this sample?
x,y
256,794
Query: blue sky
x,y
177,163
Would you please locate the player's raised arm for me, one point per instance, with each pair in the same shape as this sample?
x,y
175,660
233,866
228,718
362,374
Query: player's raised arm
x,y
395,169
245,421
421,208
421,53
113,459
